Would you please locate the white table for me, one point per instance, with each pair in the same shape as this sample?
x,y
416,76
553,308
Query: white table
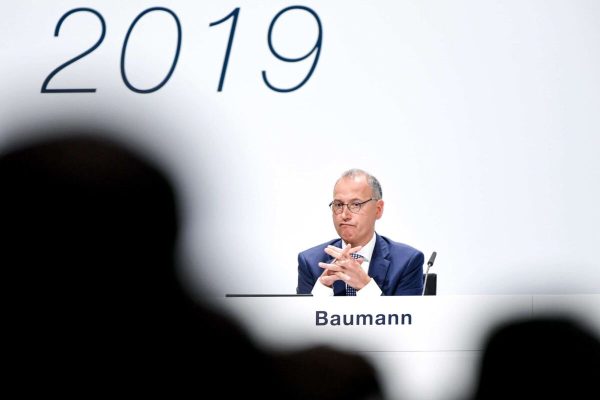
x,y
431,352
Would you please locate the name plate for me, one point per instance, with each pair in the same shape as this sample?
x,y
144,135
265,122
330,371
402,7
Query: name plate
x,y
406,323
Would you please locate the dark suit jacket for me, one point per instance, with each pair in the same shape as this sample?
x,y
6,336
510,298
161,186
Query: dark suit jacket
x,y
396,268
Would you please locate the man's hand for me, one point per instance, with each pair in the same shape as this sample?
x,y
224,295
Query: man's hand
x,y
344,267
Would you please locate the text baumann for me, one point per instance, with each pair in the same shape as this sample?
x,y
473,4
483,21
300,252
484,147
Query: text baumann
x,y
322,318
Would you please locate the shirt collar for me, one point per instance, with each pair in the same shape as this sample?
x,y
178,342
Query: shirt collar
x,y
367,250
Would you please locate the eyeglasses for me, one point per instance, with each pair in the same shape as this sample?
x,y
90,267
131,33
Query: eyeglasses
x,y
338,207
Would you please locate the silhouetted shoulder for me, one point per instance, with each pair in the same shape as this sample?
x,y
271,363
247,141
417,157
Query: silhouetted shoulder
x,y
542,357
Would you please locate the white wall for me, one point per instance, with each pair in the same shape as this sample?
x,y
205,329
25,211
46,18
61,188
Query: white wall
x,y
479,118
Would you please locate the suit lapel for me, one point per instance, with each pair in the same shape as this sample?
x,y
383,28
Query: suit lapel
x,y
380,261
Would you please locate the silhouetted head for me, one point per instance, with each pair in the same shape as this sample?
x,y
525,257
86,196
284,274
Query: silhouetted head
x,y
539,358
88,231
326,373
88,228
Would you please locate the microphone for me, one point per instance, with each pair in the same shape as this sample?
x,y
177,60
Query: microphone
x,y
429,265
431,259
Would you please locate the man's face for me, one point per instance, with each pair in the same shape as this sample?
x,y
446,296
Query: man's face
x,y
356,229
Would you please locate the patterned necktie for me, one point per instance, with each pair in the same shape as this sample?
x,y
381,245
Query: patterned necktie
x,y
350,291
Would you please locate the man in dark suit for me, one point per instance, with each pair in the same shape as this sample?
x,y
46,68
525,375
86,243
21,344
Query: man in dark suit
x,y
360,262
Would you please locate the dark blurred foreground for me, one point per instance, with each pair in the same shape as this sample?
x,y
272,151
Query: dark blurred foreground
x,y
543,357
94,302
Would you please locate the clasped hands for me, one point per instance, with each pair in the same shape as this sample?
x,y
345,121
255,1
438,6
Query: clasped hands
x,y
344,267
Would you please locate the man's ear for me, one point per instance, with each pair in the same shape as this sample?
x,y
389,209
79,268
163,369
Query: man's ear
x,y
379,207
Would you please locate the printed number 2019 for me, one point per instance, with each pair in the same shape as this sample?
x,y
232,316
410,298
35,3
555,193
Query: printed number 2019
x,y
316,50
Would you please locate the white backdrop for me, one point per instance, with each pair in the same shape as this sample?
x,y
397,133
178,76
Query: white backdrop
x,y
479,118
